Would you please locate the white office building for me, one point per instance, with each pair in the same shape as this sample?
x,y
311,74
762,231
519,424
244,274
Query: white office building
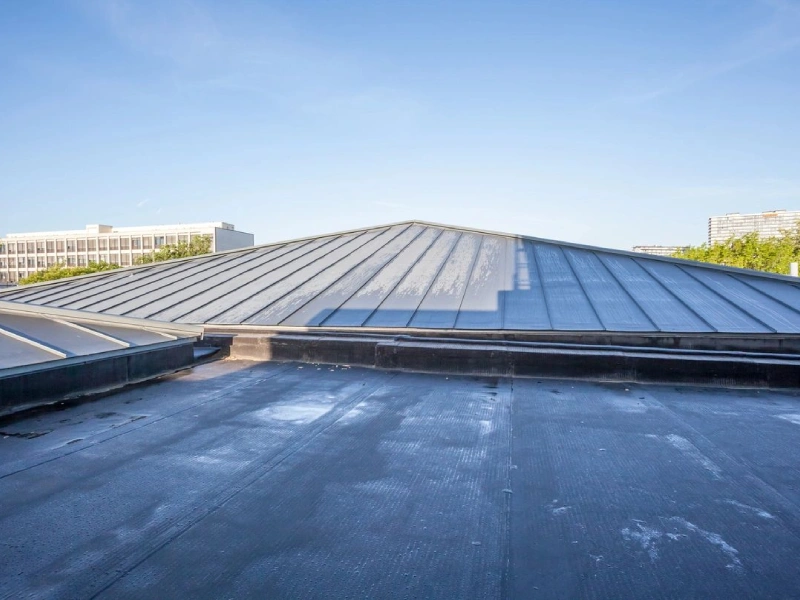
x,y
659,250
766,224
22,254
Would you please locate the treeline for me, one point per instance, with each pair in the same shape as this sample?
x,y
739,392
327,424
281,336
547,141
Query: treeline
x,y
751,251
195,247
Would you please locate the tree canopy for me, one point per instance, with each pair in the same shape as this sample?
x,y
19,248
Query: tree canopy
x,y
750,251
196,246
61,271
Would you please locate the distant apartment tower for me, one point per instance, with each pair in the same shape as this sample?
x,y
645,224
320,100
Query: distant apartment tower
x,y
22,254
766,224
659,250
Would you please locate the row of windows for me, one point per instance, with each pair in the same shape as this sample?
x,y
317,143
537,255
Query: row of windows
x,y
147,242
40,262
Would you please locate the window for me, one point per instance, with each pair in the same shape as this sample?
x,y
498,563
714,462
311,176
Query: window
x,y
70,261
2,263
93,258
159,241
81,245
172,240
114,258
51,246
12,249
2,248
113,243
70,245
124,244
31,247
31,262
183,239
40,246
91,245
136,243
51,260
20,247
104,258
40,263
81,261
102,244
126,260
59,245
147,242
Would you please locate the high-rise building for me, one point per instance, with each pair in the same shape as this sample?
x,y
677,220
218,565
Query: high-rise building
x,y
22,254
766,224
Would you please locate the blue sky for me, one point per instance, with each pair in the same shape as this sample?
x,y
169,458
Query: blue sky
x,y
606,122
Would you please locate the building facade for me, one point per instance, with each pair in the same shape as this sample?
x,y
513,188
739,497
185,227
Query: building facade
x,y
766,224
659,250
22,254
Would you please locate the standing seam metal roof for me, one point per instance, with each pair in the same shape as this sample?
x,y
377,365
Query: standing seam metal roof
x,y
425,275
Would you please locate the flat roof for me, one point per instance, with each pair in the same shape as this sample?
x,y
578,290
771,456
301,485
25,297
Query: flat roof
x,y
424,275
286,480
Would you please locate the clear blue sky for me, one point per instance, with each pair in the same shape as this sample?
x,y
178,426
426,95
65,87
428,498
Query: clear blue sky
x,y
604,122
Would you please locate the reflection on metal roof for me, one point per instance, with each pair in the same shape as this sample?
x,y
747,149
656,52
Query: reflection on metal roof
x,y
31,335
422,275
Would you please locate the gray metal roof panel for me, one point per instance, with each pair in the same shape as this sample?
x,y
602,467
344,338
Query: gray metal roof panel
x,y
421,275
31,335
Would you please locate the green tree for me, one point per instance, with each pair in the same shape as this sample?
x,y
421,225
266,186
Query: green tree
x,y
771,254
60,271
198,245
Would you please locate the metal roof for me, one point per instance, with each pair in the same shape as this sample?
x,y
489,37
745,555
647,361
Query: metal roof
x,y
33,336
423,275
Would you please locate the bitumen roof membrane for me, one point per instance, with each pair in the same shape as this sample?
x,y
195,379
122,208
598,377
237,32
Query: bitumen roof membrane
x,y
270,480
